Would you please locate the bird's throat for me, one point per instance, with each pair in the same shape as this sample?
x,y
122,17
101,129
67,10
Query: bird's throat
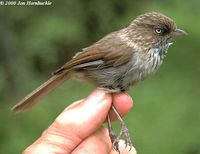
x,y
158,52
162,47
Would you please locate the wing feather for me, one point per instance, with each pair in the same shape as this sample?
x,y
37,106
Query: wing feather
x,y
108,52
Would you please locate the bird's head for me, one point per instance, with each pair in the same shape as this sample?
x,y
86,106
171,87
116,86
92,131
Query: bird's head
x,y
153,28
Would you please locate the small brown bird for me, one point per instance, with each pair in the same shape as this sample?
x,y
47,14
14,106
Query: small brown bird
x,y
116,62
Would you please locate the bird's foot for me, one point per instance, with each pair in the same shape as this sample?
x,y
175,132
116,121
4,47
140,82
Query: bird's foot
x,y
114,139
124,132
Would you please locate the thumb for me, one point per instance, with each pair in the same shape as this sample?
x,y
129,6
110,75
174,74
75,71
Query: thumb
x,y
76,123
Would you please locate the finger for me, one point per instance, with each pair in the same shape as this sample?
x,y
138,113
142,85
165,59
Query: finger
x,y
98,143
123,103
74,124
123,149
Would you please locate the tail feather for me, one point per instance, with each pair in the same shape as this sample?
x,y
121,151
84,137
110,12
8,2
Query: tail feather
x,y
34,97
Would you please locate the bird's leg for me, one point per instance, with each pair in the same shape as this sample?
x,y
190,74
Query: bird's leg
x,y
123,131
113,135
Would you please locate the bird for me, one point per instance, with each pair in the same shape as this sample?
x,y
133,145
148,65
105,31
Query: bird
x,y
119,60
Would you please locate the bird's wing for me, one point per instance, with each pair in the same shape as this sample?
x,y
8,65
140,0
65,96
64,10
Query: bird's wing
x,y
110,52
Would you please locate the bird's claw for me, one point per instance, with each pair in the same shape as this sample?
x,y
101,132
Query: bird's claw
x,y
116,138
125,133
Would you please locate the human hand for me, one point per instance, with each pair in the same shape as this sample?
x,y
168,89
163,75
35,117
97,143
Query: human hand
x,y
79,128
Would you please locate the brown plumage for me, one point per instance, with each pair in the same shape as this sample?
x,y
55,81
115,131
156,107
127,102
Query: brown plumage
x,y
117,61
40,92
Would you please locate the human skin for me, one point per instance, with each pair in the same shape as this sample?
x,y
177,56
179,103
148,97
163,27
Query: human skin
x,y
79,128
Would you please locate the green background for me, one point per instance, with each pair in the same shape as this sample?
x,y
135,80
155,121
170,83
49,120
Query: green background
x,y
36,40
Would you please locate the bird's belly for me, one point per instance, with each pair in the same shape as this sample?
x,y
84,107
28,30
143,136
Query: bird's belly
x,y
139,71
121,78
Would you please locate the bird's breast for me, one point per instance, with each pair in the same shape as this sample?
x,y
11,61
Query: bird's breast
x,y
143,65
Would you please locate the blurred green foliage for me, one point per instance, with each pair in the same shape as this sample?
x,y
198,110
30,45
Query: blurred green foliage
x,y
36,40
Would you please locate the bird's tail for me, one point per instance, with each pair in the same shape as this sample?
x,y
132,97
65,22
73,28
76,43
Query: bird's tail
x,y
34,97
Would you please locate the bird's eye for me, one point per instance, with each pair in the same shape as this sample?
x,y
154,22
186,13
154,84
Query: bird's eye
x,y
158,30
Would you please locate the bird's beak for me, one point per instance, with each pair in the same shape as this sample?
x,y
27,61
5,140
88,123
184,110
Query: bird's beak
x,y
178,32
